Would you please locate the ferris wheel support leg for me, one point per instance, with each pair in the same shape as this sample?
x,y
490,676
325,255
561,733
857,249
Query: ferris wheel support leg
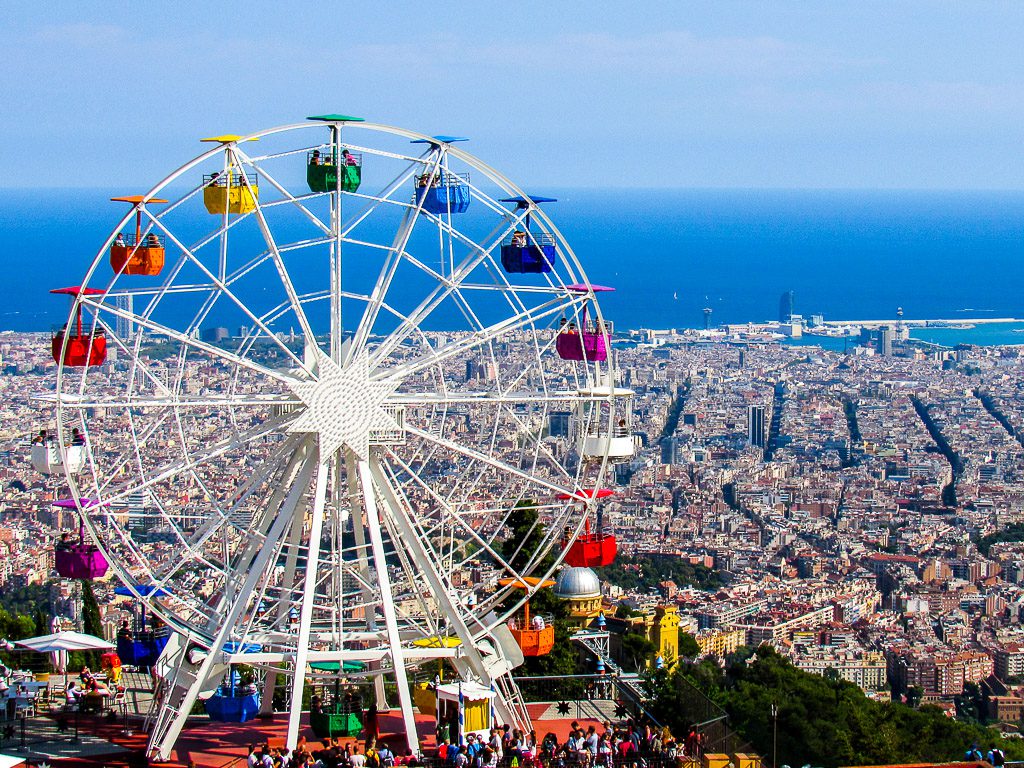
x,y
471,657
359,529
306,612
161,745
287,592
373,521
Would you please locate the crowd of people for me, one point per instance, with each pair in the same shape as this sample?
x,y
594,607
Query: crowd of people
x,y
626,746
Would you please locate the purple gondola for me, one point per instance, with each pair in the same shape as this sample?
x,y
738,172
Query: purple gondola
x,y
81,560
583,344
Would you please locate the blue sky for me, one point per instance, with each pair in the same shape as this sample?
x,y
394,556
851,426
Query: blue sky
x,y
670,94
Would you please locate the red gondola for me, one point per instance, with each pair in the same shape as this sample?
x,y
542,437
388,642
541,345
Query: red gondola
x,y
81,349
135,255
592,550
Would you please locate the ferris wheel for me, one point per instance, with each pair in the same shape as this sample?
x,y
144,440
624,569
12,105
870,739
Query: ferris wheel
x,y
323,373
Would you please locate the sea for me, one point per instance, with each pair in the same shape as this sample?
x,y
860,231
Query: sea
x,y
846,254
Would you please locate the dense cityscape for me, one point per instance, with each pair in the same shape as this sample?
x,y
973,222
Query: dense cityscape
x,y
849,506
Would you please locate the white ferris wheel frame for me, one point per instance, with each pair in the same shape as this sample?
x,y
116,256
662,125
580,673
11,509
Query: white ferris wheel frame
x,y
384,497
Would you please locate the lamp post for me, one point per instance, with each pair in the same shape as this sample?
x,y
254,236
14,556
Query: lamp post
x,y
775,732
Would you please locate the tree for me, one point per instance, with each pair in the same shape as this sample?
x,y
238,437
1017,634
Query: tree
x,y
623,611
14,627
971,705
92,623
688,645
525,532
824,722
637,650
914,695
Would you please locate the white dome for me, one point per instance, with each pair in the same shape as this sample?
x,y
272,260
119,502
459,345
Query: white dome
x,y
577,584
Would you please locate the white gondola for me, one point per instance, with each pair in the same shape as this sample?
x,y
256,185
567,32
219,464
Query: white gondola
x,y
47,458
605,424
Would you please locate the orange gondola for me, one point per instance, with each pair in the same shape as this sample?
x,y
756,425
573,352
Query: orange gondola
x,y
137,255
536,636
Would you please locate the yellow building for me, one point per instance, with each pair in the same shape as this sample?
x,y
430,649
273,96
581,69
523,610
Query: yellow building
x,y
664,632
719,642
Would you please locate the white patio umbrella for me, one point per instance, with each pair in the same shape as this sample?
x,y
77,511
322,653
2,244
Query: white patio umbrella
x,y
64,641
59,643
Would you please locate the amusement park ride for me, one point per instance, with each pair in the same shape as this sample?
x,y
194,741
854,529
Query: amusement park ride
x,y
308,496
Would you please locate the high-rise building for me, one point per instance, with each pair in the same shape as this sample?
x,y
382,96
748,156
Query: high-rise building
x,y
885,342
558,423
756,427
124,327
470,369
786,302
213,335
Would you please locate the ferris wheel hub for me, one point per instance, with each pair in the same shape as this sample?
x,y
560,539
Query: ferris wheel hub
x,y
343,406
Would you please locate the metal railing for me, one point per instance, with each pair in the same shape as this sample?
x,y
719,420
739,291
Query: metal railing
x,y
151,240
316,157
235,179
541,238
441,179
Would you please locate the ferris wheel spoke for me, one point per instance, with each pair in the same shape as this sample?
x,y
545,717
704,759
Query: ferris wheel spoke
x,y
450,515
131,454
470,453
473,341
271,466
384,278
206,454
286,281
441,589
283,507
171,401
222,289
186,340
373,524
489,398
259,167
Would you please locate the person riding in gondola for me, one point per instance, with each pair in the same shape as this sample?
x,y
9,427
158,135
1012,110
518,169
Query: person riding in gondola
x,y
63,544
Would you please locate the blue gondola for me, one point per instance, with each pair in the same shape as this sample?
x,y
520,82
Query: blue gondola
x,y
233,702
141,647
524,252
442,192
439,191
